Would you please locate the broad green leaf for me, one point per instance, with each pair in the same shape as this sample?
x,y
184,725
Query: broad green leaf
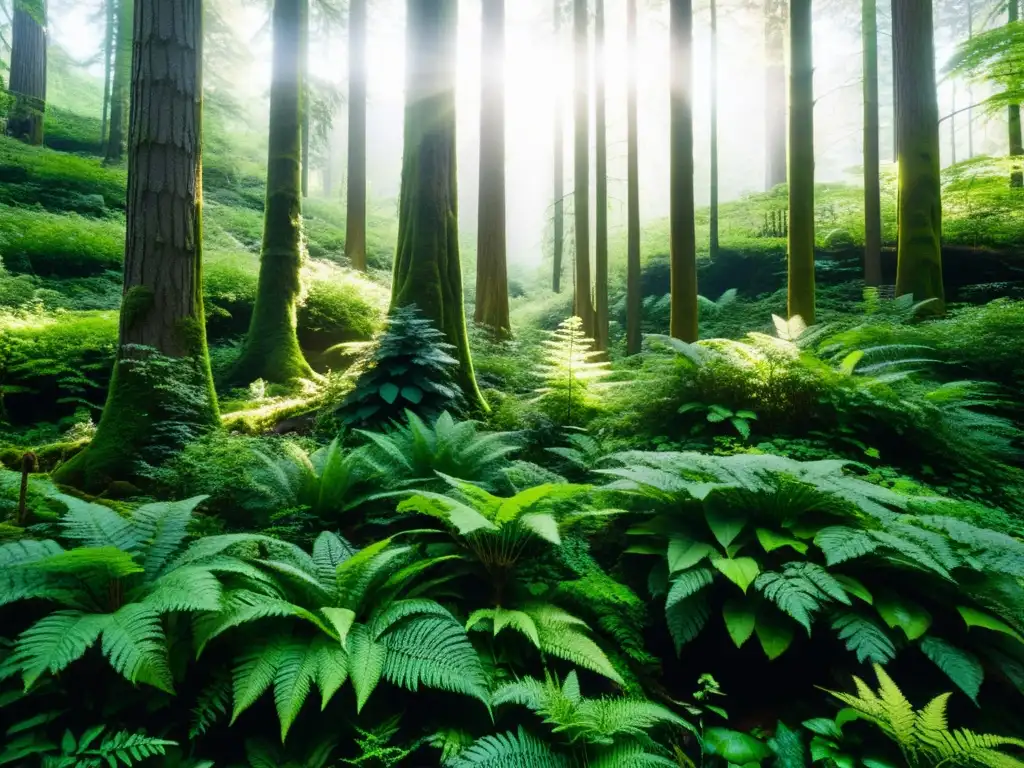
x,y
849,364
739,620
855,588
975,618
341,620
725,522
961,667
742,571
685,553
895,611
413,394
389,392
824,726
735,746
775,633
770,541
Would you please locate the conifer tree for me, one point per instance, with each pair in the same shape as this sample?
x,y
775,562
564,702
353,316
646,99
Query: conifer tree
x,y
117,136
601,183
584,306
634,300
28,71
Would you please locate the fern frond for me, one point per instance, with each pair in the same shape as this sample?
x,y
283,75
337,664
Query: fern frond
x,y
508,750
801,590
161,529
840,543
527,692
686,619
54,642
26,551
329,551
191,589
242,606
962,667
366,663
297,668
135,645
93,525
688,583
212,703
864,637
255,670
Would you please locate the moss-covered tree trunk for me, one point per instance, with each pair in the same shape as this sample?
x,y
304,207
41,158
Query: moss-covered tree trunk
x,y
801,163
355,222
427,269
491,270
872,151
108,65
118,136
634,300
305,100
1016,143
713,243
775,92
583,304
559,163
271,350
600,183
683,235
28,73
919,270
149,404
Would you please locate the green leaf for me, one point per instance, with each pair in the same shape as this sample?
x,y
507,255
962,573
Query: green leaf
x,y
735,746
823,726
975,618
341,619
742,571
775,633
849,364
770,541
688,583
413,394
739,621
895,611
865,638
685,553
855,588
725,522
961,667
366,663
389,392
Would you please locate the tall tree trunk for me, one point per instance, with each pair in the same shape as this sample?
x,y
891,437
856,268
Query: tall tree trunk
x,y
271,349
28,76
1016,143
683,235
872,151
427,270
952,123
119,127
559,223
601,182
775,92
584,307
305,107
491,270
355,222
162,311
634,301
970,89
919,269
108,65
713,244
801,163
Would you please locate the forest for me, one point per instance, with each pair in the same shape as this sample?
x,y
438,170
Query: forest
x,y
511,383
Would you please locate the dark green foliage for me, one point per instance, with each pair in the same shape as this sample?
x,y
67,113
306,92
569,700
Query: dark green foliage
x,y
59,245
407,368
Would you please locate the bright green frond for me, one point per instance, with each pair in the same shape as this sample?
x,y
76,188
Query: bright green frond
x,y
26,551
464,518
385,619
54,642
688,583
93,525
332,669
255,671
329,551
297,667
241,607
134,643
528,692
962,667
192,588
571,644
366,663
109,562
864,637
508,751
161,529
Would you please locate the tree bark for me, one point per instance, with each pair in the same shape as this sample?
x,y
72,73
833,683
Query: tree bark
x,y
601,183
713,245
162,310
27,77
355,222
305,107
559,215
872,150
970,89
491,270
919,270
952,123
271,349
108,65
775,92
584,307
634,300
1016,143
801,163
427,270
683,236
119,126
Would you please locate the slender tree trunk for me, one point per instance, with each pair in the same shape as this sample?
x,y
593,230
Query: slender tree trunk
x,y
28,76
162,311
952,124
491,270
713,244
919,269
601,181
801,163
108,64
872,151
559,223
895,103
970,89
355,223
427,270
1016,143
584,308
683,235
119,127
305,107
271,349
775,92
634,301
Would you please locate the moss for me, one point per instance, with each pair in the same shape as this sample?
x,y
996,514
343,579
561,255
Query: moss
x,y
136,305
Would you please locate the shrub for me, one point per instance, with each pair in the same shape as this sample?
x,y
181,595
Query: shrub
x,y
59,245
571,373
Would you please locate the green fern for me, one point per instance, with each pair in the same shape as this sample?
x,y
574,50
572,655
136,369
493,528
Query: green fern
x,y
923,736
508,750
